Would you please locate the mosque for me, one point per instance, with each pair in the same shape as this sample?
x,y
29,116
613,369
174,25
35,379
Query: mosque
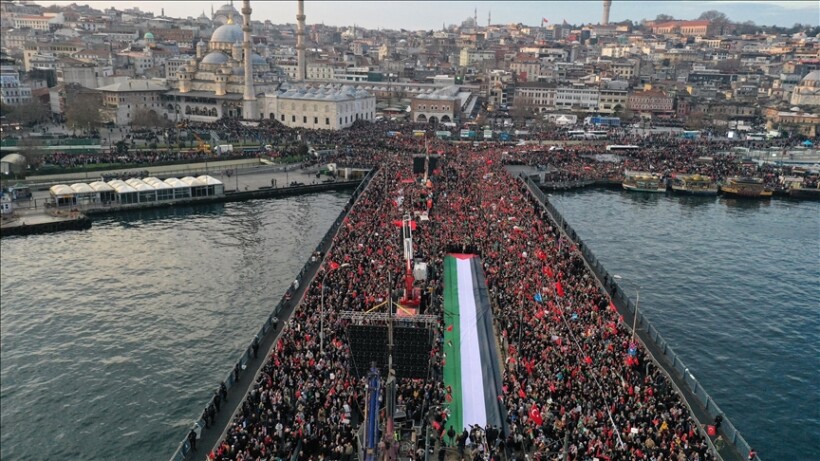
x,y
807,93
213,85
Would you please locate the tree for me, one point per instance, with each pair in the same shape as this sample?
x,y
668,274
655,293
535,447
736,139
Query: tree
x,y
147,119
664,17
28,113
720,20
83,116
32,150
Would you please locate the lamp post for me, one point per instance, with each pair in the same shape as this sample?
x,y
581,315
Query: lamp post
x,y
322,311
637,302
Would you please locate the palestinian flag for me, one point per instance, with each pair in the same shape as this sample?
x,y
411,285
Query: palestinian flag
x,y
472,374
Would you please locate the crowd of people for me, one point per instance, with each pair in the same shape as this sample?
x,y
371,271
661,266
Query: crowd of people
x,y
572,378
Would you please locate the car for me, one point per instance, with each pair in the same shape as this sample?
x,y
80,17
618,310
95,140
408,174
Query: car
x,y
296,184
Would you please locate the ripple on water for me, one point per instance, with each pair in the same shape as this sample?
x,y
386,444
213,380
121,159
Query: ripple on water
x,y
732,286
114,338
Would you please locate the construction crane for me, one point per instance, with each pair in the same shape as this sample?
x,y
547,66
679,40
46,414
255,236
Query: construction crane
x,y
202,145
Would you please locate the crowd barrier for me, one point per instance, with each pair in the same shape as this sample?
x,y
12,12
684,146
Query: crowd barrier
x,y
184,447
730,434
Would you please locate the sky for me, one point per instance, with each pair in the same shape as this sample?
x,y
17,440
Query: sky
x,y
427,15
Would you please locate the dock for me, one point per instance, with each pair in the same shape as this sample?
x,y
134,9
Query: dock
x,y
39,221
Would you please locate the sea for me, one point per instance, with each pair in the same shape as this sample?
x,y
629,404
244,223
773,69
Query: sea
x,y
113,339
734,288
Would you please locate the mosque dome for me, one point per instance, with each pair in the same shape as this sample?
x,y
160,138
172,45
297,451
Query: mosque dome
x,y
227,10
812,79
228,33
257,60
148,36
215,57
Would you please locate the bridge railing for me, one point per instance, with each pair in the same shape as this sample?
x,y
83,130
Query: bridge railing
x,y
731,434
184,447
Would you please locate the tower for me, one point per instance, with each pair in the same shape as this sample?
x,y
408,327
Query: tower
x,y
301,65
475,17
489,18
249,97
605,19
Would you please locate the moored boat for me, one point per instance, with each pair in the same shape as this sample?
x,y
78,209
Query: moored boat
x,y
694,184
641,181
746,187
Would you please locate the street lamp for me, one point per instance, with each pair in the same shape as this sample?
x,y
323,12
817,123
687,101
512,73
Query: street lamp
x,y
322,311
637,301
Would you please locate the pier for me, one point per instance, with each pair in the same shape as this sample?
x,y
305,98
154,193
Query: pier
x,y
253,181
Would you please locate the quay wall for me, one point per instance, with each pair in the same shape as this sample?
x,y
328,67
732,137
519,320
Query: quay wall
x,y
701,405
249,365
81,222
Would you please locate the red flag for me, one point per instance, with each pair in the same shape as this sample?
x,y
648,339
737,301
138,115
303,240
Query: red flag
x,y
559,289
588,360
711,430
612,306
450,328
543,20
333,265
535,415
522,394
399,223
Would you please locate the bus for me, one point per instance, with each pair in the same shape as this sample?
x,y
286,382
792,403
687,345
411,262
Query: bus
x,y
577,134
626,147
597,134
602,121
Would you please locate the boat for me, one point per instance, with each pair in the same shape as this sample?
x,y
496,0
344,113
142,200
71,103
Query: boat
x,y
694,184
639,181
744,186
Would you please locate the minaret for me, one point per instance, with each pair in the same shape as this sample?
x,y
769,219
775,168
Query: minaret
x,y
249,98
301,65
475,17
489,18
605,19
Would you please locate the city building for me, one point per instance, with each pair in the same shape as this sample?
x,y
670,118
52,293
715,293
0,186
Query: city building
x,y
650,103
322,107
122,101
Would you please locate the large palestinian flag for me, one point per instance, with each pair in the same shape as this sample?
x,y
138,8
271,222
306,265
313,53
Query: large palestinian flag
x,y
471,370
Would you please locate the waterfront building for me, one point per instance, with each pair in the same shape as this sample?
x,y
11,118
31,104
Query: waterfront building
x,y
121,101
223,80
324,107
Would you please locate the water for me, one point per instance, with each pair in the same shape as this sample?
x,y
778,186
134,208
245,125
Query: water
x,y
113,339
733,286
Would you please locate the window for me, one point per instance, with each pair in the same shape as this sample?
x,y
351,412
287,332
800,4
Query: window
x,y
293,118
283,117
327,121
315,120
304,119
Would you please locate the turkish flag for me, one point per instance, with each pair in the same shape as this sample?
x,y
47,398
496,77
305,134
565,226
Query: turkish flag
x,y
333,265
559,289
522,394
535,415
450,328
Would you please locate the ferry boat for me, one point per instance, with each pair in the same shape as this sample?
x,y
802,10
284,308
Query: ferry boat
x,y
694,184
738,186
639,181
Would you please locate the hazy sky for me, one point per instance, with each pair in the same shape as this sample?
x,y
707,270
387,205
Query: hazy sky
x,y
430,15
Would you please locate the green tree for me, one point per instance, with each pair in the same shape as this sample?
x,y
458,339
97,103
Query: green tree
x,y
664,17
